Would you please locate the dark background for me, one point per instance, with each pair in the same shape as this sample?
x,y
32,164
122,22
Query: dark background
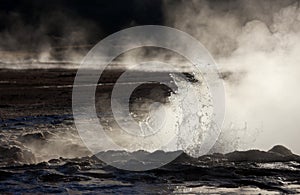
x,y
30,24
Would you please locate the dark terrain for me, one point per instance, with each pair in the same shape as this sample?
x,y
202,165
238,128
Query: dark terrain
x,y
41,152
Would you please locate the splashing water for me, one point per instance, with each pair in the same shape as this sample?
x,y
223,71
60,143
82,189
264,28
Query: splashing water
x,y
182,123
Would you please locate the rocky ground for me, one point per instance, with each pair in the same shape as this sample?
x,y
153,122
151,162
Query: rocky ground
x,y
41,152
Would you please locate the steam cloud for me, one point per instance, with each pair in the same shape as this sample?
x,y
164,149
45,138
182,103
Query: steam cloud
x,y
46,40
257,44
63,31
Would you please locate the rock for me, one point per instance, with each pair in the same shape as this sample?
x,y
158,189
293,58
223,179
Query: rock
x,y
279,149
16,154
32,137
276,154
253,156
184,158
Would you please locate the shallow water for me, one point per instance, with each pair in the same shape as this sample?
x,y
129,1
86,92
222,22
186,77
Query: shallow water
x,y
59,163
42,153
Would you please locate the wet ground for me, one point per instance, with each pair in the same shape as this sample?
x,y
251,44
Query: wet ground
x,y
41,152
45,155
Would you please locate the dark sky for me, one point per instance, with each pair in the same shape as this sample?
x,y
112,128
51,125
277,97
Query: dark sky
x,y
30,22
111,15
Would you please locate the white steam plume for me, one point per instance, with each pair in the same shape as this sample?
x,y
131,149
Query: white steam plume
x,y
258,44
